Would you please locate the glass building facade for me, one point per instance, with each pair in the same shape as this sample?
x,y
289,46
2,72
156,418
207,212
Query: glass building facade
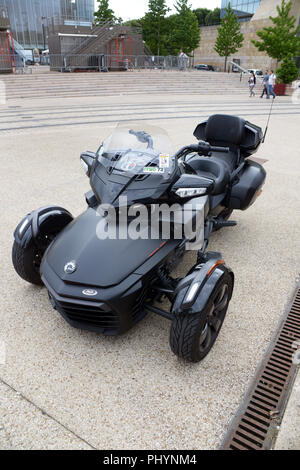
x,y
244,9
29,18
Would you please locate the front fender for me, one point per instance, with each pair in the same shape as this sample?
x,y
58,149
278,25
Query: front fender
x,y
206,281
40,223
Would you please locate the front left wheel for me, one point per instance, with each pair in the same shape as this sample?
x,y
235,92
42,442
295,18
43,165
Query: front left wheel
x,y
193,335
27,262
32,236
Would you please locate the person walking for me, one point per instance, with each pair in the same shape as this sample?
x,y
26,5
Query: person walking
x,y
266,84
252,83
183,61
272,83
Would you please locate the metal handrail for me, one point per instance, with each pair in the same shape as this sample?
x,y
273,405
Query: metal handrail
x,y
104,38
96,30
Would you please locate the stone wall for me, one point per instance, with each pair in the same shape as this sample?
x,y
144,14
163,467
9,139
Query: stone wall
x,y
249,55
268,8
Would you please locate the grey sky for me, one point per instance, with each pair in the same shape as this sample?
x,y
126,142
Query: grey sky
x,y
129,9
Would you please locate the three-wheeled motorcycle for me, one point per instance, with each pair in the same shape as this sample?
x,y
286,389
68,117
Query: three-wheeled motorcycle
x,y
105,269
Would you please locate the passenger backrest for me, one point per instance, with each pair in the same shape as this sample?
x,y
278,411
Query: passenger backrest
x,y
222,129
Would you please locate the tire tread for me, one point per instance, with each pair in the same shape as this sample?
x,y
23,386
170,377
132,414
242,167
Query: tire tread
x,y
24,269
186,328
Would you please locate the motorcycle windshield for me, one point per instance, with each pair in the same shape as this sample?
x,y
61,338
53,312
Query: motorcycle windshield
x,y
137,149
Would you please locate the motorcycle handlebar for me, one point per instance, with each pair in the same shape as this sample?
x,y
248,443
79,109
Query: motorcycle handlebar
x,y
203,148
220,149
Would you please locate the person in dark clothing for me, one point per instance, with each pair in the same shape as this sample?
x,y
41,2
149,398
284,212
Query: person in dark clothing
x,y
266,84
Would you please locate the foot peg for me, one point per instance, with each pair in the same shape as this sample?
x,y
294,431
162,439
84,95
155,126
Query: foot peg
x,y
219,223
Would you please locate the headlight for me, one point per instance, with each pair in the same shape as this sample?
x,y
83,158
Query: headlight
x,y
189,192
192,292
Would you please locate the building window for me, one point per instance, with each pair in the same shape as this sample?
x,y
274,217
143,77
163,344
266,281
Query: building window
x,y
244,9
26,17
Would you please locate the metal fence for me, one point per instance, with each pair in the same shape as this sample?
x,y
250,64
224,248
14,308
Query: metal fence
x,y
7,65
102,62
97,62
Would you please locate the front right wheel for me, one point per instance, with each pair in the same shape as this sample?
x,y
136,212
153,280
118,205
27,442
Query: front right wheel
x,y
193,335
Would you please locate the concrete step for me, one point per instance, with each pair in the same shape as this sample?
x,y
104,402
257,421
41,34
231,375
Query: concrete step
x,y
56,84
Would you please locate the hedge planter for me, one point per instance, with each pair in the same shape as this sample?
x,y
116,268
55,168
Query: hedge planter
x,y
280,89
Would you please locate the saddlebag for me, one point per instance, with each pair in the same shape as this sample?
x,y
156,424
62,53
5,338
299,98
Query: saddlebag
x,y
246,190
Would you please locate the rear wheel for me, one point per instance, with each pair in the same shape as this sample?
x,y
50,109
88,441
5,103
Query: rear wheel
x,y
193,335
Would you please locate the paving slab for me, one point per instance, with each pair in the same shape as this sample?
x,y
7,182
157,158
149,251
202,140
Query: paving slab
x,y
23,425
130,392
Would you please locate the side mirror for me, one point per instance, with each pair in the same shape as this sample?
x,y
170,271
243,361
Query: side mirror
x,y
87,159
188,186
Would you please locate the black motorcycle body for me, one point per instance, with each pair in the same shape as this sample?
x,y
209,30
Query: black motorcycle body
x,y
108,285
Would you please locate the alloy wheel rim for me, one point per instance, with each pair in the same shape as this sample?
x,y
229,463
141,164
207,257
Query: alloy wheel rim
x,y
215,317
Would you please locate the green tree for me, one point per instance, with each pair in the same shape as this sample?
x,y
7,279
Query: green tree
x,y
213,17
207,17
186,34
282,39
288,71
104,13
201,14
170,45
154,25
135,23
229,39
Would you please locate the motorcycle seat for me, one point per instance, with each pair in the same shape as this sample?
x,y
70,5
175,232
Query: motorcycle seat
x,y
229,159
211,168
223,131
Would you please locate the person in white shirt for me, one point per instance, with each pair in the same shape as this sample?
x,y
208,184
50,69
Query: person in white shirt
x,y
272,83
252,83
183,61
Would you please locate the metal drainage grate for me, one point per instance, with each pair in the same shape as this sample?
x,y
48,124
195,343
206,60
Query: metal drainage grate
x,y
257,421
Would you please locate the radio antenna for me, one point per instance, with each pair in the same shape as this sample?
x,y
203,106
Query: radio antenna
x,y
263,141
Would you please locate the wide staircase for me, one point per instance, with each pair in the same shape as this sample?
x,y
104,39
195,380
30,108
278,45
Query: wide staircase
x,y
62,85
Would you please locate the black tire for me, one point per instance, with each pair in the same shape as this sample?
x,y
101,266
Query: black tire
x,y
27,262
193,335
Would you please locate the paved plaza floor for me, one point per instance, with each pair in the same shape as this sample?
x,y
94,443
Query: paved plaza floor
x,y
70,389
